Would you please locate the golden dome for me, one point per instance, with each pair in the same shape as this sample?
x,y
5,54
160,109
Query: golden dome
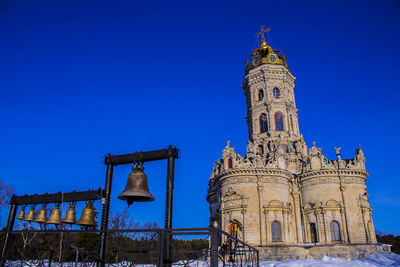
x,y
264,54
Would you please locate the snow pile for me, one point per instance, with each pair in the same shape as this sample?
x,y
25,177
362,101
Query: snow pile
x,y
371,261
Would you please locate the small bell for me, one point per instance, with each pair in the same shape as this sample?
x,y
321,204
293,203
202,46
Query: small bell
x,y
21,214
42,215
55,216
31,215
137,189
70,215
88,216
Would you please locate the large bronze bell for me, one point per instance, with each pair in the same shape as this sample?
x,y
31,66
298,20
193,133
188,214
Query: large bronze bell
x,y
21,214
88,216
137,189
42,215
31,215
55,216
70,215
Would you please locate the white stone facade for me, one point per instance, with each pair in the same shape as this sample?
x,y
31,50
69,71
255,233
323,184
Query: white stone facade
x,y
280,193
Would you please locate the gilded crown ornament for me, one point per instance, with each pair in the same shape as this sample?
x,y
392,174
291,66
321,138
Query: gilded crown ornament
x,y
264,54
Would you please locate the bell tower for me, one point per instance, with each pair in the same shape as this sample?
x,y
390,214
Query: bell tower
x,y
269,89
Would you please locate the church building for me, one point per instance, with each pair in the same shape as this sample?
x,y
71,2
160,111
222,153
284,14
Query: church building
x,y
282,197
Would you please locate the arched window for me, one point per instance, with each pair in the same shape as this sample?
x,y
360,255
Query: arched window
x,y
277,92
335,231
261,150
276,231
278,121
260,94
263,123
230,164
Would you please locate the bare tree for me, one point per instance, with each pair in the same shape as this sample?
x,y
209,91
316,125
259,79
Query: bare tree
x,y
122,221
6,190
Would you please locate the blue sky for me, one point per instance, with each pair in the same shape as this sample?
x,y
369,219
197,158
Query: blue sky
x,y
80,79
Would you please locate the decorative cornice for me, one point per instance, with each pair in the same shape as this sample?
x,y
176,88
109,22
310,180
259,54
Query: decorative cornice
x,y
318,173
254,171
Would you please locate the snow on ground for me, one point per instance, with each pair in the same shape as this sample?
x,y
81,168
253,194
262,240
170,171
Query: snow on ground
x,y
371,261
375,260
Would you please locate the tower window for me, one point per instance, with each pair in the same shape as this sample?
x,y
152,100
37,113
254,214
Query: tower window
x,y
230,164
278,121
276,231
263,123
260,94
335,231
277,92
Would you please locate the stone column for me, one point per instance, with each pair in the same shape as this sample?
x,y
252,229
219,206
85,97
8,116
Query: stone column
x,y
343,226
244,228
260,200
296,200
291,236
320,227
346,212
285,226
267,227
371,228
366,231
325,227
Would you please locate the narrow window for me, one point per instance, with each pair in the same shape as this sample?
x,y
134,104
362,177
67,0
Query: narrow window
x,y
335,231
230,164
313,233
260,94
263,123
277,92
276,231
278,121
261,150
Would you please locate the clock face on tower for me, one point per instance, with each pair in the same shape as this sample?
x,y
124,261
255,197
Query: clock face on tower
x,y
272,59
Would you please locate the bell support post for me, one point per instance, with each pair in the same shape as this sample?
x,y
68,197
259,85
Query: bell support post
x,y
168,208
9,228
105,214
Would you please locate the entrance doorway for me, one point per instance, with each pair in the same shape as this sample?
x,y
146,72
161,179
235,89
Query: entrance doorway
x,y
313,232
